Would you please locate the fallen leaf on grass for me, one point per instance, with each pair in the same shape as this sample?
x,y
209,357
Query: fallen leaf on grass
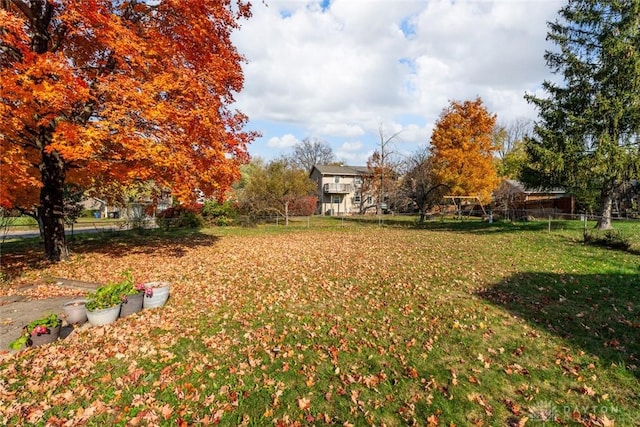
x,y
166,411
304,403
433,420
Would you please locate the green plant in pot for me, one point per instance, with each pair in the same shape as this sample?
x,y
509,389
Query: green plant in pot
x,y
47,327
104,297
113,300
103,305
126,285
131,294
111,294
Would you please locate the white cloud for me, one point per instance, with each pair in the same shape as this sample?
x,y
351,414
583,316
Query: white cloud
x,y
351,146
341,72
353,158
285,141
414,134
344,130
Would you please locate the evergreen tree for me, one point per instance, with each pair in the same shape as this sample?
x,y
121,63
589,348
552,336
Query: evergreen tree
x,y
587,136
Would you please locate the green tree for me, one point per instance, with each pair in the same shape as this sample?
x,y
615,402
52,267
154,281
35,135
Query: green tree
x,y
273,187
513,161
587,136
509,138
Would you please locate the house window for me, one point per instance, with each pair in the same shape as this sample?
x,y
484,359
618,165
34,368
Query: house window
x,y
357,198
357,180
335,199
369,200
336,179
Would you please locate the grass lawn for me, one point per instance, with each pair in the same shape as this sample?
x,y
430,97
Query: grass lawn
x,y
346,324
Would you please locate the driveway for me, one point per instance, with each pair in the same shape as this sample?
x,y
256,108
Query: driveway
x,y
18,311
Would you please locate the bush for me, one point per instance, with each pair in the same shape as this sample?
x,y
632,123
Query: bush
x,y
180,217
303,206
220,214
609,238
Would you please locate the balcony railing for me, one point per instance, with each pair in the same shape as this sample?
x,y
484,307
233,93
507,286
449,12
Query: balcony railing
x,y
337,188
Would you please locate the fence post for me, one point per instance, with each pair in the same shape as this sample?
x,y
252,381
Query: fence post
x,y
549,227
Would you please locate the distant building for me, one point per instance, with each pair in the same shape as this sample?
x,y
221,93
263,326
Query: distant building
x,y
98,206
513,200
340,189
133,209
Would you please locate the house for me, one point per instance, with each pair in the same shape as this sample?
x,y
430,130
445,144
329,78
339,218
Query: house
x,y
340,189
98,206
133,209
514,201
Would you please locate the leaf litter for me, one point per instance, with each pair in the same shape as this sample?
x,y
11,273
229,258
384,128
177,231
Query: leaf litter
x,y
343,327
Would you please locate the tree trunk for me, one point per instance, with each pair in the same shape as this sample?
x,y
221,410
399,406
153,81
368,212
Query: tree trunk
x,y
51,211
422,206
422,216
38,218
52,206
286,213
604,214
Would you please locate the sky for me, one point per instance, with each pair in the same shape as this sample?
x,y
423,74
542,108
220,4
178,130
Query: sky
x,y
343,70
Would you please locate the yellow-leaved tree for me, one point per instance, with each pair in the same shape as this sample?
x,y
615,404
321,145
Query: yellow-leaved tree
x,y
463,150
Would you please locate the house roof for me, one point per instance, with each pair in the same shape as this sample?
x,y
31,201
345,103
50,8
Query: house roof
x,y
341,170
539,190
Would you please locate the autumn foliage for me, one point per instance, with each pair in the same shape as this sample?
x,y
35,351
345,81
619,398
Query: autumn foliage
x,y
342,326
303,206
277,187
95,92
463,148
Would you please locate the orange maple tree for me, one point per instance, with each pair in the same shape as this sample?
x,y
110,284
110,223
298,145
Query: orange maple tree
x,y
94,92
462,149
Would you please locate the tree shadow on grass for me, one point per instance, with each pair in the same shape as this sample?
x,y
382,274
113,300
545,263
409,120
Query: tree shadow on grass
x,y
599,313
483,227
28,254
170,244
463,225
571,229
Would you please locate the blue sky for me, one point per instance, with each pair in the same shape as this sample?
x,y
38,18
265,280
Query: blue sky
x,y
341,70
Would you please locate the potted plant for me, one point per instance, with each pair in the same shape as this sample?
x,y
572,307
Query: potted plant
x,y
130,295
74,311
41,331
156,294
103,305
